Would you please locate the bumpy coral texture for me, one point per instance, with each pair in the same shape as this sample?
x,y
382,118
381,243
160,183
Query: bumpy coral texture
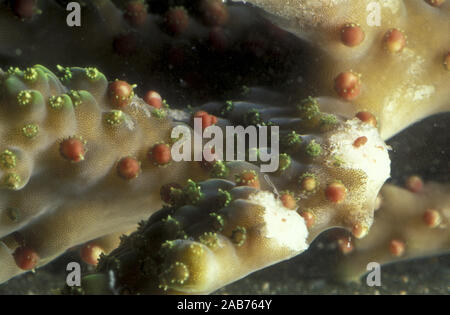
x,y
215,232
393,57
317,151
104,149
408,224
61,143
202,243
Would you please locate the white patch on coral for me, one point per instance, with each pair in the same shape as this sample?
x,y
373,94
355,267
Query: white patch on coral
x,y
415,62
393,5
391,102
283,225
138,104
129,122
179,115
423,91
372,157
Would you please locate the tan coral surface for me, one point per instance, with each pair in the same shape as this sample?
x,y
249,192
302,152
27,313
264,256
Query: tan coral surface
x,y
50,203
400,85
408,225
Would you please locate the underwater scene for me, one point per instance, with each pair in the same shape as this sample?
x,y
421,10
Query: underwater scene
x,y
224,147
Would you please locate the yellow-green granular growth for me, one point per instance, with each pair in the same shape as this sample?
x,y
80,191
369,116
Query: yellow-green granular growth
x,y
192,192
30,130
30,75
313,149
284,161
159,113
7,159
308,108
219,170
114,117
210,239
92,73
227,108
24,98
217,221
239,235
56,102
66,73
75,97
225,197
12,181
290,139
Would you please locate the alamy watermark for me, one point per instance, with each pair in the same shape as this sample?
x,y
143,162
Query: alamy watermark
x,y
374,14
258,148
73,278
374,276
74,17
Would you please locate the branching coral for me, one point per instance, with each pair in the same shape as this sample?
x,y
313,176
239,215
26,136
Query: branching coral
x,y
83,159
330,165
215,233
75,160
199,246
386,57
106,144
408,225
132,41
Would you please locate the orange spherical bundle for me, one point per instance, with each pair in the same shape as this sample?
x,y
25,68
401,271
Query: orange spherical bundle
x,y
352,35
348,85
160,154
72,149
120,93
128,168
26,258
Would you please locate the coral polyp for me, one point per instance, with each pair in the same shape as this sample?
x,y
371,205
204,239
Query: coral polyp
x,y
153,98
214,12
352,35
348,85
160,154
120,93
128,168
394,40
336,192
26,258
136,13
72,149
177,20
206,119
25,9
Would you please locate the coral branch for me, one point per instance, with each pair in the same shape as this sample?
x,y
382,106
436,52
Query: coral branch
x,y
218,231
399,65
74,167
219,236
333,166
408,225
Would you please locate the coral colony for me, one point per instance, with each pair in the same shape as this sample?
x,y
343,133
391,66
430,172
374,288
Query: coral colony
x,y
186,199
